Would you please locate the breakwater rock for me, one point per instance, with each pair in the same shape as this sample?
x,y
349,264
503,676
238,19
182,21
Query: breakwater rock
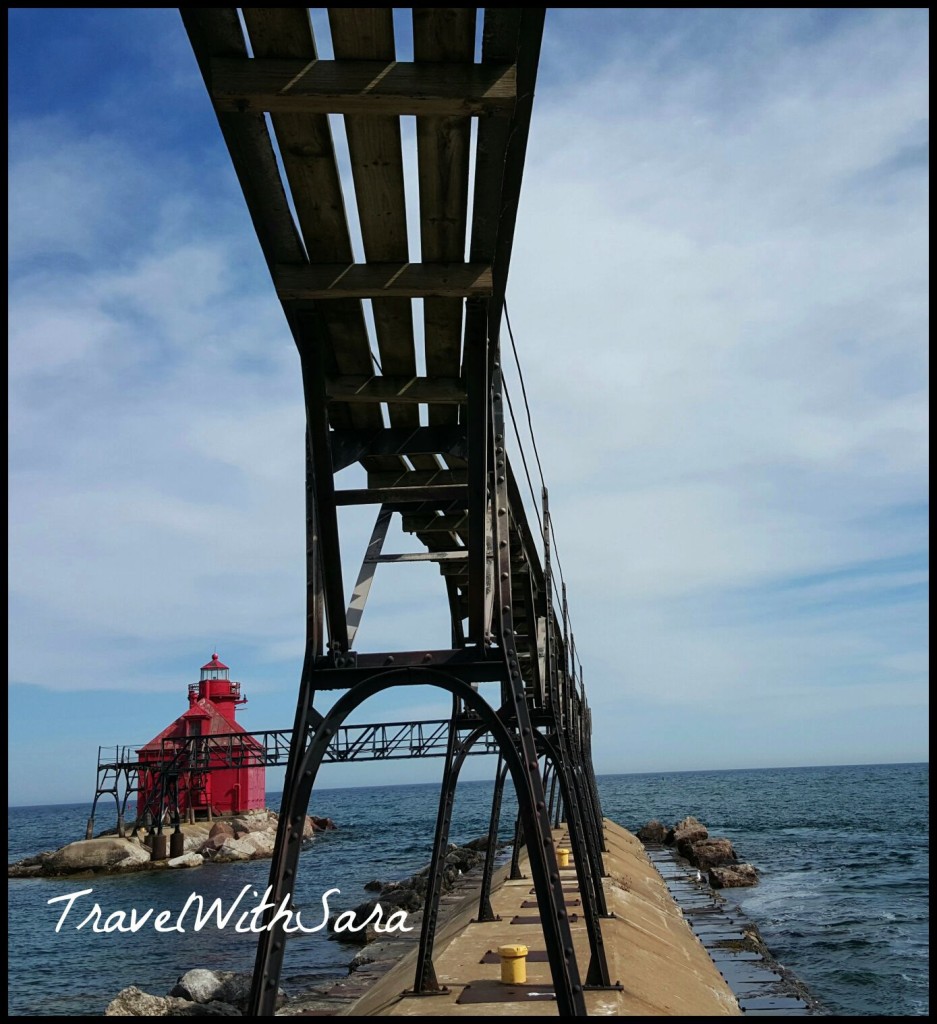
x,y
208,993
249,836
197,993
409,894
692,841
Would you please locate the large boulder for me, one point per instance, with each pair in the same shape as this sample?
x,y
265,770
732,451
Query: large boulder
x,y
208,846
105,854
194,839
712,853
199,985
21,870
247,845
419,884
260,843
653,832
360,960
466,858
734,877
252,821
132,1002
30,867
480,844
402,897
221,828
361,937
687,832
187,860
218,988
236,989
230,849
322,824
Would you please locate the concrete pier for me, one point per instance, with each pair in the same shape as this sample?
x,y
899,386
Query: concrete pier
x,y
652,950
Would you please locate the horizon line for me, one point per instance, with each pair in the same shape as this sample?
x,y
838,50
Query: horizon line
x,y
602,775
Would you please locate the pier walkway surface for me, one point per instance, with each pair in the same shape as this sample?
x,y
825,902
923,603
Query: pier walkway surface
x,y
663,967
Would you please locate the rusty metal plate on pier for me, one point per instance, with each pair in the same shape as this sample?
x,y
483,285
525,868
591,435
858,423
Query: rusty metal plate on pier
x,y
496,992
746,972
534,956
767,1004
533,903
713,908
805,1012
727,932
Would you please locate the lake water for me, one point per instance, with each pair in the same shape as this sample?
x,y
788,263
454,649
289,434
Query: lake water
x,y
842,901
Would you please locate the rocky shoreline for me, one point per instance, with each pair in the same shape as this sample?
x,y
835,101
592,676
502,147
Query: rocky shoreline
x,y
761,983
201,993
249,836
692,841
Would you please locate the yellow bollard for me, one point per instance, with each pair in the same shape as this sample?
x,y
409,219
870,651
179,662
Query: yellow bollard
x,y
513,964
562,858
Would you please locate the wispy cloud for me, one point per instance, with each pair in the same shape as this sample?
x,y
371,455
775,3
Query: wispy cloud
x,y
718,289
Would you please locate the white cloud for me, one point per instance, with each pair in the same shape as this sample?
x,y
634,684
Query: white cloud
x,y
718,288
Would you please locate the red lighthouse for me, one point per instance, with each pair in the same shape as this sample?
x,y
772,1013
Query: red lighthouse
x,y
214,764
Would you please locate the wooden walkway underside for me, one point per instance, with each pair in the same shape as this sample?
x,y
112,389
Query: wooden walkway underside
x,y
409,428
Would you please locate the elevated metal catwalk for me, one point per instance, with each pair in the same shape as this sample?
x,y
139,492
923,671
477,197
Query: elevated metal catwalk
x,y
182,759
431,446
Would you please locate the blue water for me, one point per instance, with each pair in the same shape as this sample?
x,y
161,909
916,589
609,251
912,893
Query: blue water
x,y
842,901
843,855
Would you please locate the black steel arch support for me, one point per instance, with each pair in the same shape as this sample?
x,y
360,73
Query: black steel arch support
x,y
580,836
424,982
485,913
590,882
557,935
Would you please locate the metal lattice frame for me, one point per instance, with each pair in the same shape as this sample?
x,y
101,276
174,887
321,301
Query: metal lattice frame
x,y
440,461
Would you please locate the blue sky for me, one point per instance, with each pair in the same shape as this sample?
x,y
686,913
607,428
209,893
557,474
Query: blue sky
x,y
719,294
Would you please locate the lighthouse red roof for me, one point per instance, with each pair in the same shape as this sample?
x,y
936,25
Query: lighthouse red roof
x,y
214,663
215,724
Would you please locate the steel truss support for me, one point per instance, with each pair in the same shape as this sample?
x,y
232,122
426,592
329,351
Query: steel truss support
x,y
369,566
